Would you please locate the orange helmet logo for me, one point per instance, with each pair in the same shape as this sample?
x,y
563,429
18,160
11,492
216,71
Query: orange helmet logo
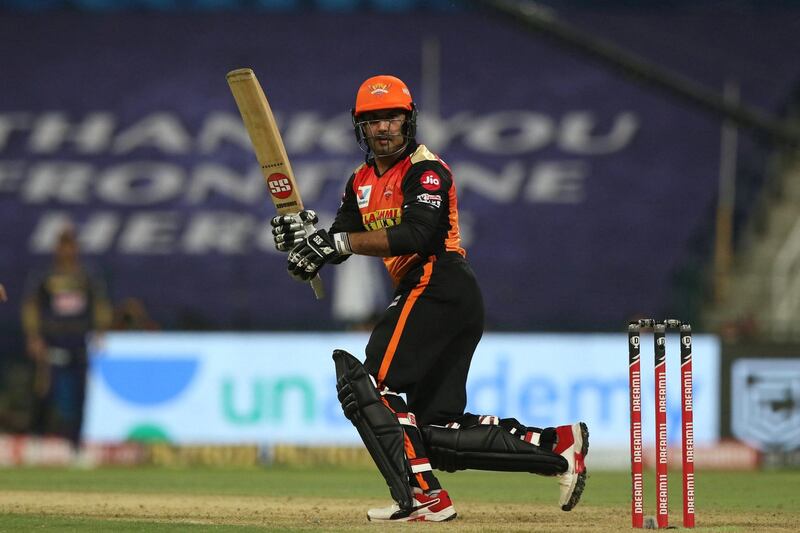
x,y
379,89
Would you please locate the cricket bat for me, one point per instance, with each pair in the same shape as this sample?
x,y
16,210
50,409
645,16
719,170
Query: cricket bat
x,y
269,149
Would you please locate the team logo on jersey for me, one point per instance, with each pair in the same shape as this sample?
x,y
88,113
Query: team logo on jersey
x,y
430,181
379,89
68,303
363,194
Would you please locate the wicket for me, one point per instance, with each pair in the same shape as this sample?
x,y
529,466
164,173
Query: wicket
x,y
687,426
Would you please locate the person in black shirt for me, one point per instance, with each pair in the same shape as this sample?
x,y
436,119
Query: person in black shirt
x,y
60,307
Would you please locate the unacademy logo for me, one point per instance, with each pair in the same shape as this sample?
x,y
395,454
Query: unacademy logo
x,y
147,380
148,432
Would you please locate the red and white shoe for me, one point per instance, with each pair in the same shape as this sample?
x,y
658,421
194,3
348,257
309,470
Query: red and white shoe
x,y
573,444
429,508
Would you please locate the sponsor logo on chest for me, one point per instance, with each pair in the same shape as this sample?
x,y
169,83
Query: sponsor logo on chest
x,y
382,218
364,192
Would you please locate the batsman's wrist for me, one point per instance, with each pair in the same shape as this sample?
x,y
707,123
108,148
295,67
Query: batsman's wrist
x,y
342,243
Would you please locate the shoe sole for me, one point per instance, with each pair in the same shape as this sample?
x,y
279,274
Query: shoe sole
x,y
432,517
580,483
427,518
444,515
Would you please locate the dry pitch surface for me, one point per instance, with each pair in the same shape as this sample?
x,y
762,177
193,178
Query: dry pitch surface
x,y
340,515
144,510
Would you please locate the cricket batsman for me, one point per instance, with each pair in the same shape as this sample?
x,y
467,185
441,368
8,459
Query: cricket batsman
x,y
407,399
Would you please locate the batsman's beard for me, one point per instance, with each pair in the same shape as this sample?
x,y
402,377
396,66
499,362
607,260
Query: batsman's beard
x,y
378,148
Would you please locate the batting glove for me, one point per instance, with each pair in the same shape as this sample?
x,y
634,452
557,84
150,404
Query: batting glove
x,y
289,230
308,257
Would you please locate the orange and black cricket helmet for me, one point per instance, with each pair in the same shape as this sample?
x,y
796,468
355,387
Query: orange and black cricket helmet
x,y
384,92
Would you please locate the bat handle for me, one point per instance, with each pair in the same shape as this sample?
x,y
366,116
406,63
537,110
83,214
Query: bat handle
x,y
316,284
316,281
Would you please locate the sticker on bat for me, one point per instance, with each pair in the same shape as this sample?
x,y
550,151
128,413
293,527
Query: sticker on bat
x,y
279,186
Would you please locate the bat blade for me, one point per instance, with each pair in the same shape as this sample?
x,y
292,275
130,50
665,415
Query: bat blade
x,y
268,147
267,142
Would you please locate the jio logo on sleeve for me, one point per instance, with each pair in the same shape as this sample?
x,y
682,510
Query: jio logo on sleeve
x,y
430,181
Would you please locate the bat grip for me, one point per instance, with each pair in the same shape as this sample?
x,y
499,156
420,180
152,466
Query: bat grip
x,y
316,284
316,281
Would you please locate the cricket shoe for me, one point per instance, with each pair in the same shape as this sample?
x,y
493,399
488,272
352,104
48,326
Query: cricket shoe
x,y
573,445
427,508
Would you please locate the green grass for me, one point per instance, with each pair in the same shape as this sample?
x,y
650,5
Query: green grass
x,y
758,493
718,490
82,525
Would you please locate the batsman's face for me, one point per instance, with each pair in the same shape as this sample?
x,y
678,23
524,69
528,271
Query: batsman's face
x,y
384,131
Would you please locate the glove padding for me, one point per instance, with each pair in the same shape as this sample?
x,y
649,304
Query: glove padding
x,y
289,230
307,258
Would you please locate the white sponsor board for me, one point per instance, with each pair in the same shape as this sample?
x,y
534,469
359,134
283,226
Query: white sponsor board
x,y
765,395
279,388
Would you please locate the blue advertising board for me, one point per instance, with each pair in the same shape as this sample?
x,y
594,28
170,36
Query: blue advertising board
x,y
280,388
